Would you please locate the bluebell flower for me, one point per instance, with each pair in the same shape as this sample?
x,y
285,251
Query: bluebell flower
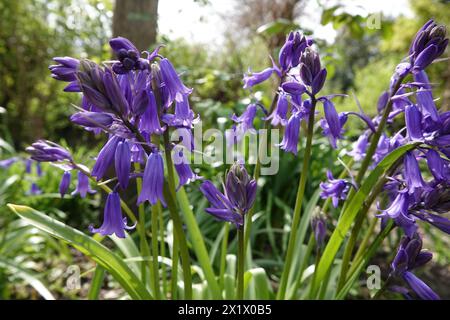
x,y
412,174
83,187
337,189
65,71
425,97
291,134
175,87
105,158
290,53
399,211
153,180
183,115
428,44
413,119
113,222
240,194
47,151
279,114
65,183
34,190
123,163
6,163
319,227
92,119
128,55
436,165
183,169
149,121
252,79
409,257
359,149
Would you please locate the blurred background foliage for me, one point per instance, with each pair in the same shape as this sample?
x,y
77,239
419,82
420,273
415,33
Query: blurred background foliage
x,y
360,62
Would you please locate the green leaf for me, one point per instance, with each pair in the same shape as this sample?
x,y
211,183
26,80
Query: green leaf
x,y
28,276
96,283
351,211
88,246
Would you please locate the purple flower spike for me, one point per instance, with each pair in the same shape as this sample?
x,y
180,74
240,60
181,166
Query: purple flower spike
x,y
413,119
410,256
335,188
83,187
291,134
113,222
65,183
292,50
123,163
105,158
176,89
128,55
153,180
255,78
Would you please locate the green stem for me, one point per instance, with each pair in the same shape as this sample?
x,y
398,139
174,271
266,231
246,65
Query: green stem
x,y
298,203
162,249
170,197
154,226
366,239
174,279
241,261
223,254
382,289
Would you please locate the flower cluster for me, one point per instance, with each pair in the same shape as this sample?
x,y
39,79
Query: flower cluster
x,y
132,100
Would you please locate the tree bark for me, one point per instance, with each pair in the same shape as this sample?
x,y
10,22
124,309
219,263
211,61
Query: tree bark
x,y
136,20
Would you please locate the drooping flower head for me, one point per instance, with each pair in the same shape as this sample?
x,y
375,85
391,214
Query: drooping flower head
x,y
113,222
337,189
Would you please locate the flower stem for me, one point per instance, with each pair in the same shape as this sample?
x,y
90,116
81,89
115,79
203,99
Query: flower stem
x,y
174,279
223,254
241,261
154,226
170,197
298,203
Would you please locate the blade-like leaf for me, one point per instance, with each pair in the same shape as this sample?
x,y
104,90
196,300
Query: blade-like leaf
x,y
88,246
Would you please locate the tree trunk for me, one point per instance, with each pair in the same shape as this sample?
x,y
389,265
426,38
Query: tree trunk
x,y
136,20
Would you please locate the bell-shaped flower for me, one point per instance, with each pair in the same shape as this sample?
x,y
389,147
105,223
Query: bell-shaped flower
x,y
65,183
83,187
153,180
123,163
105,158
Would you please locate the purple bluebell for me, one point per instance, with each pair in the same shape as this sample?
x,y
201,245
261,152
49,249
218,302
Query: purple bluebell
x,y
140,102
240,194
38,169
293,88
291,134
184,171
413,119
428,44
175,87
311,71
337,189
245,120
114,93
319,227
65,71
436,164
360,147
279,115
252,79
113,222
83,187
399,211
425,97
65,183
92,119
292,50
105,157
149,121
28,166
412,174
128,55
409,257
6,163
47,151
183,116
123,163
34,190
153,180
438,221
